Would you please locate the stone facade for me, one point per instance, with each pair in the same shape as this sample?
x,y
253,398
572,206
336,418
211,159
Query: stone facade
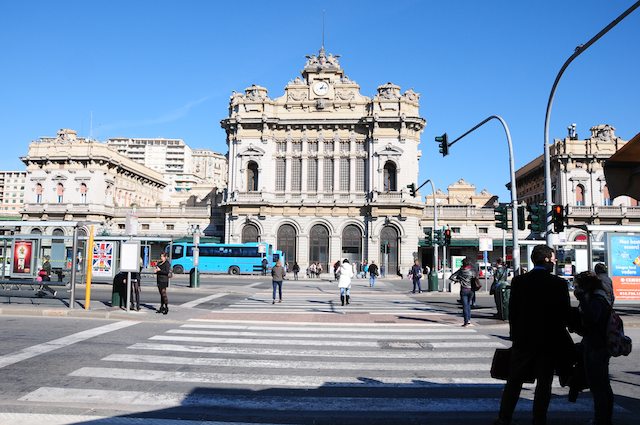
x,y
12,185
321,172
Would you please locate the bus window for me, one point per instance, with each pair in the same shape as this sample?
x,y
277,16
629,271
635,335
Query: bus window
x,y
178,251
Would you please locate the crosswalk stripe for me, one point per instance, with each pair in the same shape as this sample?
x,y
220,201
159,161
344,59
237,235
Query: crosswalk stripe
x,y
50,419
278,335
290,403
292,364
318,330
276,380
276,352
198,301
307,324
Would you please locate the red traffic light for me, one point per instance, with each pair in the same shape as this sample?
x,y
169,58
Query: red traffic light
x,y
557,218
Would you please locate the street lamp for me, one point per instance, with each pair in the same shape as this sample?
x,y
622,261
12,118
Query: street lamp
x,y
547,159
514,193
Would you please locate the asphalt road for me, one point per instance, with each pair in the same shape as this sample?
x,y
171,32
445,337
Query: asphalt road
x,y
226,354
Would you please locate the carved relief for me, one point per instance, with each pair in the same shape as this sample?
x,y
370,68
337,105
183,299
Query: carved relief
x,y
297,95
345,94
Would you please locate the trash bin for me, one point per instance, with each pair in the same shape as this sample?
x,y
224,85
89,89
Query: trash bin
x,y
501,296
119,290
433,281
194,278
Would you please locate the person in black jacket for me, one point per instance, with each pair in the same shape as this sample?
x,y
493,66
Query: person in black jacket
x,y
163,268
595,308
539,312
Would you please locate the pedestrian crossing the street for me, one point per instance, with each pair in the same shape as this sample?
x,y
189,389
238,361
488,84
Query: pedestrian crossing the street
x,y
272,372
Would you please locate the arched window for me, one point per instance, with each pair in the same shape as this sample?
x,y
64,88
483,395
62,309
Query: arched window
x,y
36,231
60,192
580,195
319,246
287,243
352,243
252,177
390,184
39,191
250,233
606,198
83,193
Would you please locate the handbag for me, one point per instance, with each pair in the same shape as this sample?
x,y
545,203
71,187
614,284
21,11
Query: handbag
x,y
475,284
170,275
501,364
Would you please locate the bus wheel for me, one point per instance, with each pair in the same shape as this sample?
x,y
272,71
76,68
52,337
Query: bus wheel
x,y
178,270
234,270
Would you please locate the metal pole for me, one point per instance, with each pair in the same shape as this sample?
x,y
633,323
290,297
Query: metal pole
x,y
547,158
444,266
504,245
433,232
514,196
72,282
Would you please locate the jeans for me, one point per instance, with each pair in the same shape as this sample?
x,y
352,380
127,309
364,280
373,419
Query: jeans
x,y
278,285
596,361
465,296
416,282
372,281
345,291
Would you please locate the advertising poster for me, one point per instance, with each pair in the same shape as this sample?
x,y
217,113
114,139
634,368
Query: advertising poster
x,y
103,259
22,264
624,265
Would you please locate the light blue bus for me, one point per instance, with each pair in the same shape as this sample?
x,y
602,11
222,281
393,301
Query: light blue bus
x,y
221,258
278,255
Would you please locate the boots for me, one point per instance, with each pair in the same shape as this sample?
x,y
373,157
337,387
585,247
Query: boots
x,y
161,309
347,299
166,309
342,299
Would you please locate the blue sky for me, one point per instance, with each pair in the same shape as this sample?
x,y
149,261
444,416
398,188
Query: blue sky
x,y
167,68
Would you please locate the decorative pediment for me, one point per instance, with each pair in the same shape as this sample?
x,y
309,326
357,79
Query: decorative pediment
x,y
252,150
391,150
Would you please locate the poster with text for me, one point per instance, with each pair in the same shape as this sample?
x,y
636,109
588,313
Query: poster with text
x,y
22,263
624,265
103,258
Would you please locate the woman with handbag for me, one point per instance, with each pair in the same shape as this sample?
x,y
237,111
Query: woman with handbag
x,y
163,273
466,276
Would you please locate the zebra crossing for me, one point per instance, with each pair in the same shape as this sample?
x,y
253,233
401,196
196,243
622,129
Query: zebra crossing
x,y
312,296
216,371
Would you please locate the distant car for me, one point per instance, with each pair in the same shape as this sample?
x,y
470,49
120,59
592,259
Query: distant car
x,y
485,269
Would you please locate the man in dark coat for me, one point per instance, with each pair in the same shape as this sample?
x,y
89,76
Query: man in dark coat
x,y
538,316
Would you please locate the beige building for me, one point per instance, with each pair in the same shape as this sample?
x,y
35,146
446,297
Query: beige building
x,y
12,185
70,178
321,171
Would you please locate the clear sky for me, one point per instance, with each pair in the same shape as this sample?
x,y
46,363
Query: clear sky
x,y
150,68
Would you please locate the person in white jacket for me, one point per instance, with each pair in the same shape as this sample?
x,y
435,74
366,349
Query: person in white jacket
x,y
344,280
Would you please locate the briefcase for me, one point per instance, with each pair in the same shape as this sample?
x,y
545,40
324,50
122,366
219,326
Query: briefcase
x,y
501,364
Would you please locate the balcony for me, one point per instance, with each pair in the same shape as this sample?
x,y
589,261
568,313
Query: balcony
x,y
615,212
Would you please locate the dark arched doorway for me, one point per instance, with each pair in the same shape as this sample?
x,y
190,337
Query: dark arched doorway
x,y
319,246
352,243
287,243
389,250
249,233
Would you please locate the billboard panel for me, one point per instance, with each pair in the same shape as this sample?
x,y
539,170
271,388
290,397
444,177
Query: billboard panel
x,y
624,265
22,264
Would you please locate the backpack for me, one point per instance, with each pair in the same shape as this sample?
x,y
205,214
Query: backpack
x,y
618,344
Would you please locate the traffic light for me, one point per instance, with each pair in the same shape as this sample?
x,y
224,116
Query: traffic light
x,y
444,144
437,238
501,215
557,218
537,217
428,238
447,237
521,218
412,189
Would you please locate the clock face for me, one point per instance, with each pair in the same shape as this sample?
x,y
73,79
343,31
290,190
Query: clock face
x,y
321,88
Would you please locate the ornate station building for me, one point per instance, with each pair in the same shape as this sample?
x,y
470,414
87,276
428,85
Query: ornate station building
x,y
322,171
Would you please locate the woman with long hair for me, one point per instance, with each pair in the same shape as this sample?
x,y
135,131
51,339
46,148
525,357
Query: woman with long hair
x,y
163,269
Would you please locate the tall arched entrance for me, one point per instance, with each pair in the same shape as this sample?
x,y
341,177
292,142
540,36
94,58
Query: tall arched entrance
x,y
352,243
319,246
389,250
249,233
287,243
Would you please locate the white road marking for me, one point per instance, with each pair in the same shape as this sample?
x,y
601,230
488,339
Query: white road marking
x,y
293,364
49,419
376,328
198,301
276,352
279,380
276,335
36,350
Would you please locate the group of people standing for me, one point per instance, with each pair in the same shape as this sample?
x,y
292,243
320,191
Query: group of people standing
x,y
540,318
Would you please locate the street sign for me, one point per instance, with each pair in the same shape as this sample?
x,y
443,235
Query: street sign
x,y
485,244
